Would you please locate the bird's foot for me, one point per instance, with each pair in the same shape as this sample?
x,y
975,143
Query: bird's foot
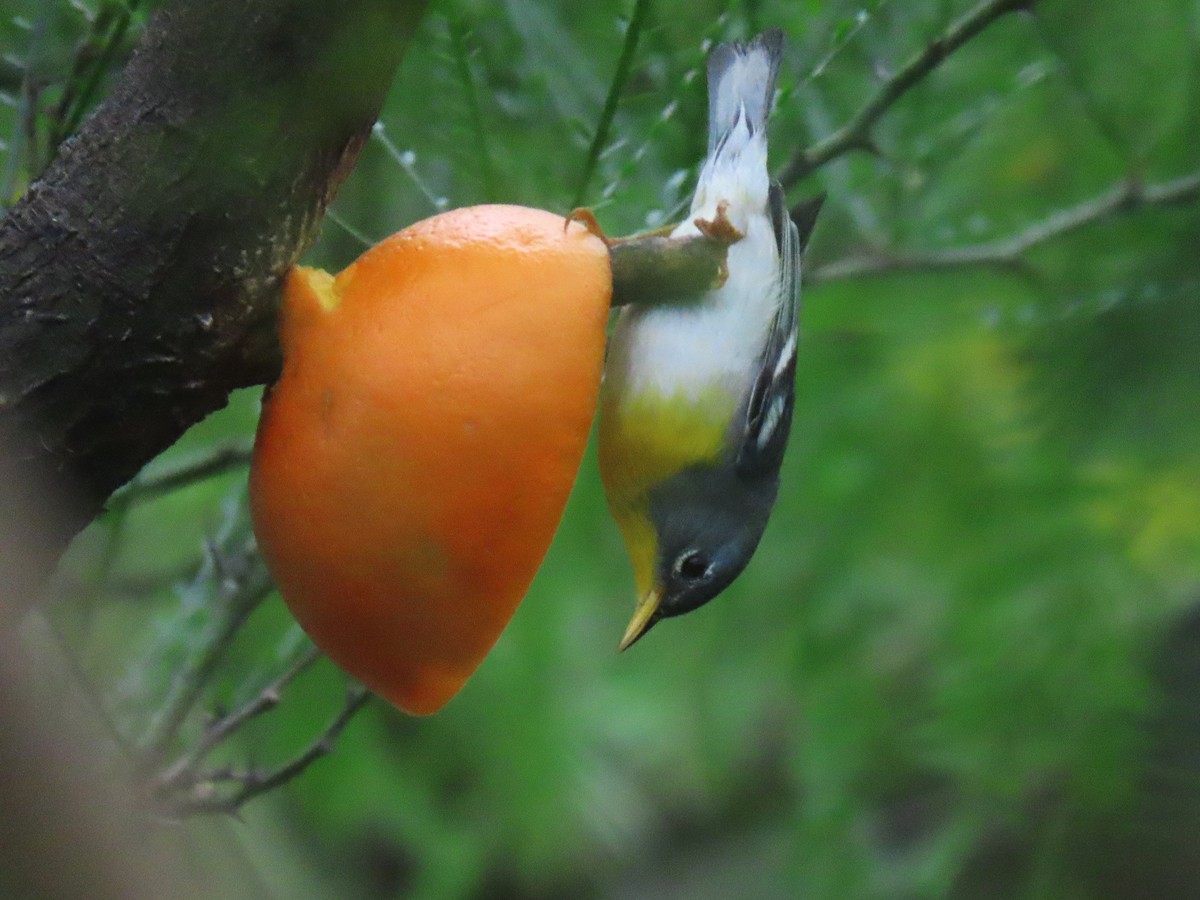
x,y
719,228
587,219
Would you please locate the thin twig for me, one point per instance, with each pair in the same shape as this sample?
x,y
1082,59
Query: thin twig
x,y
216,462
856,134
1124,197
335,217
615,87
21,142
99,48
407,160
220,730
479,134
243,583
205,801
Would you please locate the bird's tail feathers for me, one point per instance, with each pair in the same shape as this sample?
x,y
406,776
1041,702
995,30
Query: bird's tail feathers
x,y
741,76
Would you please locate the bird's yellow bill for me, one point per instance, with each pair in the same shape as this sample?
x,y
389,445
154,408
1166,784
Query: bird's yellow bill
x,y
643,617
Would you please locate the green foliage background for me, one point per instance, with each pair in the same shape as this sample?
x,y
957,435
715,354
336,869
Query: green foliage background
x,y
954,667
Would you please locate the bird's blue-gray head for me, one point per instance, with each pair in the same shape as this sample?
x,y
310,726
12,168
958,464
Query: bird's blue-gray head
x,y
707,520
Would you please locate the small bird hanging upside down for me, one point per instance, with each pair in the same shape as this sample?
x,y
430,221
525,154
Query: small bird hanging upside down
x,y
698,392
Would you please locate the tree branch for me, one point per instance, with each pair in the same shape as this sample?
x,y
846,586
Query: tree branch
x,y
239,583
139,276
206,799
1127,196
633,31
856,134
218,731
217,461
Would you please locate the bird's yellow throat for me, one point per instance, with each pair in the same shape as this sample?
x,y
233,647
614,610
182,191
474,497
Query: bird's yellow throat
x,y
644,440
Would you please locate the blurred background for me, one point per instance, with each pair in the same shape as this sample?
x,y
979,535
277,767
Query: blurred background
x,y
966,658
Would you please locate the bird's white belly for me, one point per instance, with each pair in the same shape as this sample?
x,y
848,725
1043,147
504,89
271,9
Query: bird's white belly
x,y
687,350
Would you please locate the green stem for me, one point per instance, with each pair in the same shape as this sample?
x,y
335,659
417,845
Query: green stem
x,y
100,46
219,460
624,65
487,171
655,270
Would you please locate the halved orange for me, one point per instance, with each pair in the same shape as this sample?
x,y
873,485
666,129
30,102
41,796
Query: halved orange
x,y
414,458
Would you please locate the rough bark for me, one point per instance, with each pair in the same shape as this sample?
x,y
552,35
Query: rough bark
x,y
139,275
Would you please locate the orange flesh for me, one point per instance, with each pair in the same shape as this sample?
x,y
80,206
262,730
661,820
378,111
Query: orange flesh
x,y
413,461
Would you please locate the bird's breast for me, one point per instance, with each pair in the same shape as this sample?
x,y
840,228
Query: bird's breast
x,y
711,344
678,373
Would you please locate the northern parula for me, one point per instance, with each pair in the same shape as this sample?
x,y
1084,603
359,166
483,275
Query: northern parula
x,y
698,392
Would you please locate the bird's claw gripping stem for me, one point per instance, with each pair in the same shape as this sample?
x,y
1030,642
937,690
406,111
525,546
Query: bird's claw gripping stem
x,y
656,269
719,228
587,219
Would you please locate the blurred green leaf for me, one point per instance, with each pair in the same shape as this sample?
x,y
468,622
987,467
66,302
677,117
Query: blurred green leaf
x,y
1108,48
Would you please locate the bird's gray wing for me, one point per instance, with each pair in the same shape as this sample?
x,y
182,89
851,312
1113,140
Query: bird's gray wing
x,y
768,415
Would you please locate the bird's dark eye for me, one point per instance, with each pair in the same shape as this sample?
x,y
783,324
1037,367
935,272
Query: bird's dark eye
x,y
692,565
